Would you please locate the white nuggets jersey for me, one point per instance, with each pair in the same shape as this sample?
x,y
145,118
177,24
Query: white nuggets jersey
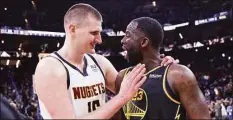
x,y
86,90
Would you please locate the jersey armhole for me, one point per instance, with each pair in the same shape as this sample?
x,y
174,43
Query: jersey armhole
x,y
167,89
67,72
126,71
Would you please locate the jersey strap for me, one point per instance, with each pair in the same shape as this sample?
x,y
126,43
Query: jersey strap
x,y
67,72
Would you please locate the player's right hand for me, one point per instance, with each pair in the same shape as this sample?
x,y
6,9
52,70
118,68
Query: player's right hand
x,y
132,82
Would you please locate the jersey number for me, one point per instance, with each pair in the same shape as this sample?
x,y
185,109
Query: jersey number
x,y
138,96
93,105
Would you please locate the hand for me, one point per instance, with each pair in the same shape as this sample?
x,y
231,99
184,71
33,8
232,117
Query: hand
x,y
132,82
166,60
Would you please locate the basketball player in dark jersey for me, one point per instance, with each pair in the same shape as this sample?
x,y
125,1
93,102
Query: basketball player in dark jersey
x,y
169,92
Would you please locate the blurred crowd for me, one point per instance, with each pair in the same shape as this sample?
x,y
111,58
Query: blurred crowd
x,y
21,97
218,94
217,89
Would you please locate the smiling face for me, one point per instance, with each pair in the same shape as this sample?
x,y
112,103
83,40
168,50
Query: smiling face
x,y
131,43
83,25
143,38
85,36
89,34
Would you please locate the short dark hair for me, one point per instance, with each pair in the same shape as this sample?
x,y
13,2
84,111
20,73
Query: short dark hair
x,y
152,29
80,11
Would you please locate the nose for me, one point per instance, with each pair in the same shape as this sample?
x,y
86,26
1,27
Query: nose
x,y
98,39
123,40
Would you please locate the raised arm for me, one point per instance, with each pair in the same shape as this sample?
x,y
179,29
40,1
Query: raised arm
x,y
191,97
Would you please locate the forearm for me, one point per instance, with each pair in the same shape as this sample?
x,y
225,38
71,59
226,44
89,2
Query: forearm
x,y
107,110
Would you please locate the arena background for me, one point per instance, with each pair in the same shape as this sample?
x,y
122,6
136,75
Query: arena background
x,y
197,32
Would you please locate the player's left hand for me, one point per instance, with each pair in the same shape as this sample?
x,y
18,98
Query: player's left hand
x,y
166,60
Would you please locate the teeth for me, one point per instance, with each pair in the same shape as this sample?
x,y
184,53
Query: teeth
x,y
123,53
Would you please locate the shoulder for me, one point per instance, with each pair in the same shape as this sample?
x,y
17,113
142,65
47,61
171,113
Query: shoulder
x,y
123,72
50,66
50,74
181,76
120,78
178,71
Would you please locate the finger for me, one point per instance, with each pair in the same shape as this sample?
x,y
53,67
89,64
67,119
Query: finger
x,y
177,61
138,71
139,76
164,61
139,84
168,62
134,69
170,58
162,56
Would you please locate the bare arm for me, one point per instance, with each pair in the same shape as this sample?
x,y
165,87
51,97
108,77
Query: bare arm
x,y
185,84
119,79
51,88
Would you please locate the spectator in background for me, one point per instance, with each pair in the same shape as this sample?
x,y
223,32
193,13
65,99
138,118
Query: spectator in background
x,y
13,105
211,109
207,94
228,90
217,110
229,110
223,110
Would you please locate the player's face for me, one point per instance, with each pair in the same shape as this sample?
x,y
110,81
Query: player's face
x,y
88,35
131,44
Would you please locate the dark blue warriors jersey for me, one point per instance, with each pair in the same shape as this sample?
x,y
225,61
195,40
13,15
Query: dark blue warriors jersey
x,y
155,99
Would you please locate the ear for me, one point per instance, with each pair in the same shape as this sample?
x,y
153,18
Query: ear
x,y
72,29
144,42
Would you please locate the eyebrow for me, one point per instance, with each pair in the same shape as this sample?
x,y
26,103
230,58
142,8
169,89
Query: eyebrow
x,y
95,31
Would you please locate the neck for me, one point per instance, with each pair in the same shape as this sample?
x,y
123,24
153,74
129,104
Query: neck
x,y
71,53
151,59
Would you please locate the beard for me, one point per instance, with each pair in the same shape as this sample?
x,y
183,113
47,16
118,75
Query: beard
x,y
134,57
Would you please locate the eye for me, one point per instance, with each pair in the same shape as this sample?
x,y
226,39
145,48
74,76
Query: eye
x,y
95,33
127,35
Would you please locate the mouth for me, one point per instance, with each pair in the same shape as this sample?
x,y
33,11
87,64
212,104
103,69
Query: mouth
x,y
93,46
124,53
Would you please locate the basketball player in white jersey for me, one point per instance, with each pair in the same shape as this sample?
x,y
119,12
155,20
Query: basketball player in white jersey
x,y
71,84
